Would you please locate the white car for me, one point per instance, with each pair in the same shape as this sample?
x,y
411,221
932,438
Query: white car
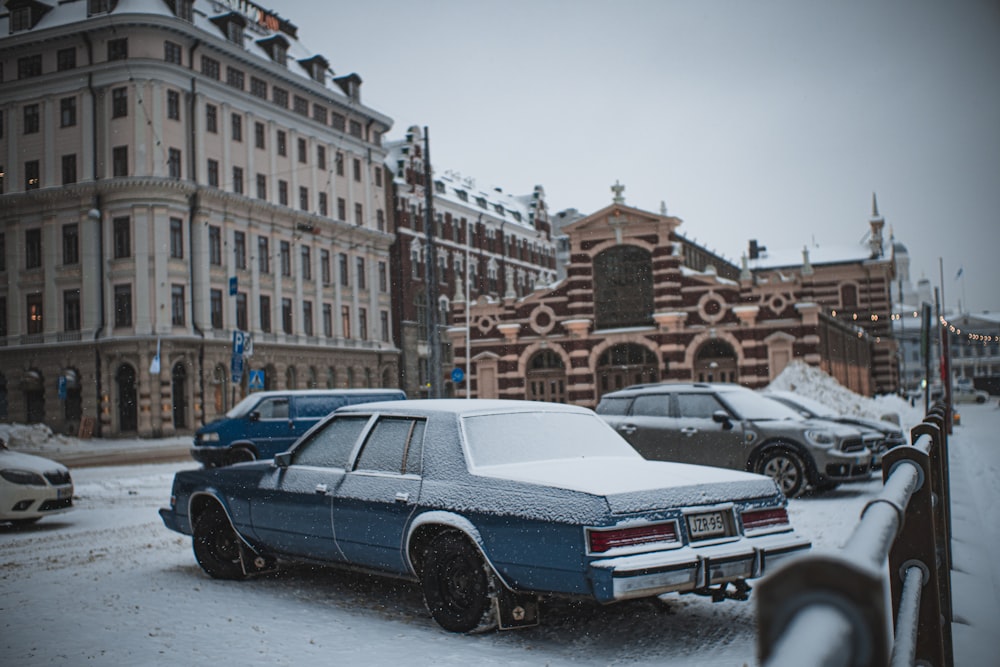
x,y
32,487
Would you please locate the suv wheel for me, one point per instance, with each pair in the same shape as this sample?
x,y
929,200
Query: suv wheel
x,y
786,468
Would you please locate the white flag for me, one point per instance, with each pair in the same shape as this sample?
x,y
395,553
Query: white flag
x,y
154,365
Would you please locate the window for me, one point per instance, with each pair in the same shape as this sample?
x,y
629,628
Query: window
x,y
355,129
237,127
327,320
343,270
263,255
322,204
307,317
119,102
215,308
282,143
67,112
241,311
380,220
183,9
119,161
383,278
338,121
215,245
172,52
340,163
363,323
300,105
238,180
240,249
279,96
357,170
359,215
258,135
71,310
283,192
118,48
321,157
98,7
378,177
71,244
235,78
345,321
3,252
341,208
34,305
258,87
32,248
123,305
210,67
302,150
174,163
623,293
176,238
213,173
265,313
29,66
177,305
122,233
303,198
286,315
32,179
211,118
285,255
261,186
362,283
69,169
306,263
31,118
20,19
324,266
66,59
173,105
383,317
320,114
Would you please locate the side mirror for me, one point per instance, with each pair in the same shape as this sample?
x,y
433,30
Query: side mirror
x,y
720,417
283,459
254,416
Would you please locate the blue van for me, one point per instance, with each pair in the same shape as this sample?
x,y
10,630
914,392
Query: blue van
x,y
266,423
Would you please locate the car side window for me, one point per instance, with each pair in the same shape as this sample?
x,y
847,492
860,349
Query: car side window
x,y
698,406
315,406
273,408
394,445
652,405
613,406
331,446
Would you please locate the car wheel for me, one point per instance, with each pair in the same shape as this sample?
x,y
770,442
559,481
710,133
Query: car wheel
x,y
786,468
216,545
240,455
456,583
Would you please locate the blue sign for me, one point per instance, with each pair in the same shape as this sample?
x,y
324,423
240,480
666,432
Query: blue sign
x,y
62,387
256,382
237,368
233,285
457,375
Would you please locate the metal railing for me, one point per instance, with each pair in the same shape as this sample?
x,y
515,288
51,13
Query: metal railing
x,y
830,609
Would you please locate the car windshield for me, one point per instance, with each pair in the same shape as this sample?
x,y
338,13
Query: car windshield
x,y
754,407
520,437
243,407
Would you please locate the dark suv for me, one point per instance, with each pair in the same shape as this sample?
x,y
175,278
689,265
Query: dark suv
x,y
730,426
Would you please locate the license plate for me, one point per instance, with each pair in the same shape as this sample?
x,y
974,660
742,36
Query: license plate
x,y
705,525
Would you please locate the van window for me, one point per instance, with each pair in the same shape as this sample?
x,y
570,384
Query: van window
x,y
316,406
273,408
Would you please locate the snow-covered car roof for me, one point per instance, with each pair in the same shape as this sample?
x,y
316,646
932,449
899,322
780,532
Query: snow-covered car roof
x,y
462,407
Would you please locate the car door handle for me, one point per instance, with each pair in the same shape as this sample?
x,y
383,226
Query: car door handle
x,y
627,429
689,431
402,497
322,489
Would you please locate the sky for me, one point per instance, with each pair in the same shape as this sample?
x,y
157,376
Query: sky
x,y
774,120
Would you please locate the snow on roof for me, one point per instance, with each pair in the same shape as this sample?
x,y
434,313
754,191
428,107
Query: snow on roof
x,y
712,275
818,254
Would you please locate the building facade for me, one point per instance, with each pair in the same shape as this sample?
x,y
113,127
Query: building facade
x,y
487,244
173,172
640,303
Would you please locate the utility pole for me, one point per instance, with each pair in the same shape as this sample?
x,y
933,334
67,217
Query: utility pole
x,y
433,335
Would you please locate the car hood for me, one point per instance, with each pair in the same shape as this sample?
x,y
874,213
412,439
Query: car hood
x,y
800,425
21,461
632,484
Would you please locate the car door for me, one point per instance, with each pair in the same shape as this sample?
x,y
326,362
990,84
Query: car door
x,y
377,497
293,511
650,428
704,440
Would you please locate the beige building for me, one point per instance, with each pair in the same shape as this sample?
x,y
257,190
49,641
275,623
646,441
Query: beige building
x,y
174,172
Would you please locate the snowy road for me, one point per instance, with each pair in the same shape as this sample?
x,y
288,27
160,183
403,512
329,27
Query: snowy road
x,y
108,585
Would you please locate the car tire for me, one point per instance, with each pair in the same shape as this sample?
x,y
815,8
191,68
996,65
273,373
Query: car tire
x,y
786,468
457,584
240,455
217,546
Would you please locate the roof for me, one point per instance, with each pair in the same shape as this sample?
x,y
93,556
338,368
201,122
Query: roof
x,y
818,254
463,407
678,386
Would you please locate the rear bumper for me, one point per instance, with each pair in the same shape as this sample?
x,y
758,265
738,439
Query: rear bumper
x,y
688,569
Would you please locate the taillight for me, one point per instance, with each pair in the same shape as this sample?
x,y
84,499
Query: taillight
x,y
604,540
757,519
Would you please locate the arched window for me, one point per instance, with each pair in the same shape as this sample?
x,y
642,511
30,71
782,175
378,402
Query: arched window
x,y
623,287
546,378
178,387
291,381
715,361
624,365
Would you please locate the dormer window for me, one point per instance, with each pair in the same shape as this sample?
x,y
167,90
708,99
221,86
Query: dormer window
x,y
315,67
25,14
481,202
276,47
232,26
182,9
20,19
351,85
99,7
462,194
439,187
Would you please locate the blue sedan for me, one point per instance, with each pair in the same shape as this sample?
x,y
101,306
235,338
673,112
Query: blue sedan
x,y
489,505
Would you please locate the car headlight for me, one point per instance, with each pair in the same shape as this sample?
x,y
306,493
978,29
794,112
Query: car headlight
x,y
25,477
822,438
208,437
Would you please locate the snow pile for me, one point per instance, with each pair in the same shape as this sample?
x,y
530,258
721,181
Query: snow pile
x,y
813,383
32,437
